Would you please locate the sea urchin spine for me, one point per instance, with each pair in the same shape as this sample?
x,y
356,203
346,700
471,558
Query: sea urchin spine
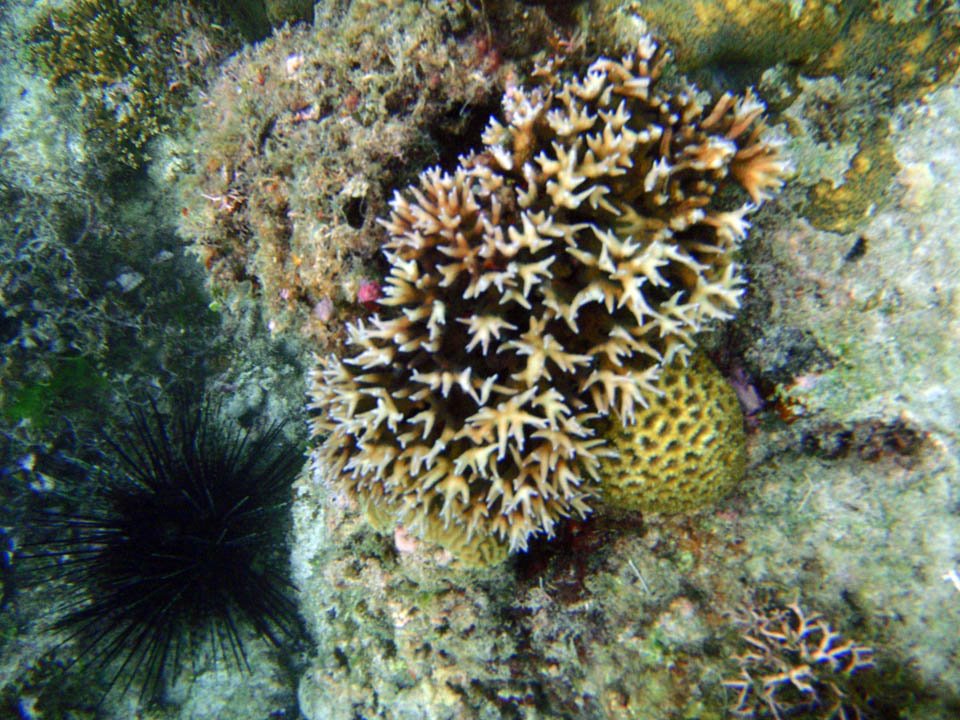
x,y
177,546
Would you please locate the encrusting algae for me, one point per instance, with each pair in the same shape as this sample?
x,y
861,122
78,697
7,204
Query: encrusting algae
x,y
537,290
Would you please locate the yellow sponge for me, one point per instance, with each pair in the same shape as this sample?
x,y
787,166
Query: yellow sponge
x,y
687,448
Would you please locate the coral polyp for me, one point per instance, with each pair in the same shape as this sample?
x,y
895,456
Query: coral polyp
x,y
539,287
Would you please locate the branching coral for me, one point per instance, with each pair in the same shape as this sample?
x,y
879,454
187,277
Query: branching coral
x,y
538,287
797,664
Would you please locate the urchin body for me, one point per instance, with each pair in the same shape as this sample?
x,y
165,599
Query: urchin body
x,y
178,548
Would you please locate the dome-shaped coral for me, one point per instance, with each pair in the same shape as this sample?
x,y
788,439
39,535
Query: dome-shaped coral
x,y
541,285
685,450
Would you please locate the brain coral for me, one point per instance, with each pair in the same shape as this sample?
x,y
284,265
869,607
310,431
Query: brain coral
x,y
537,288
686,449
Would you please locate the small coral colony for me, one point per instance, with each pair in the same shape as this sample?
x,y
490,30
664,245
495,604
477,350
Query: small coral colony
x,y
533,353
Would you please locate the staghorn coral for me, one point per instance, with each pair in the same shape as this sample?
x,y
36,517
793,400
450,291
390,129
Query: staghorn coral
x,y
686,449
796,664
539,287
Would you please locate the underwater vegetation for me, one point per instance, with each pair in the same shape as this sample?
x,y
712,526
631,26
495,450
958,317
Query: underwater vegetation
x,y
133,63
539,288
62,325
302,139
256,18
93,308
178,549
622,614
295,150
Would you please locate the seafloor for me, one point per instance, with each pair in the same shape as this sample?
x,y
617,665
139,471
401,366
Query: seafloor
x,y
222,229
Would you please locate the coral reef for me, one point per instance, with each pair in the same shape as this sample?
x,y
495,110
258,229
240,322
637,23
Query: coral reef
x,y
402,634
132,62
732,41
68,320
796,664
100,304
612,619
302,138
847,335
686,448
851,502
868,53
860,293
851,332
540,286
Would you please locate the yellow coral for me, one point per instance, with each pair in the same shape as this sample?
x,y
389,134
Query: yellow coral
x,y
132,61
686,450
470,552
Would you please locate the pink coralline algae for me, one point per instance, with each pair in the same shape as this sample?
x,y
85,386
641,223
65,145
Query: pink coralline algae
x,y
369,293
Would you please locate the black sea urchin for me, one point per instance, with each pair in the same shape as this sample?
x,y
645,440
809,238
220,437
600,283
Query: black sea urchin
x,y
182,545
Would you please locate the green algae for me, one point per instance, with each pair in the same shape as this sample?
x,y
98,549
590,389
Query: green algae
x,y
72,383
